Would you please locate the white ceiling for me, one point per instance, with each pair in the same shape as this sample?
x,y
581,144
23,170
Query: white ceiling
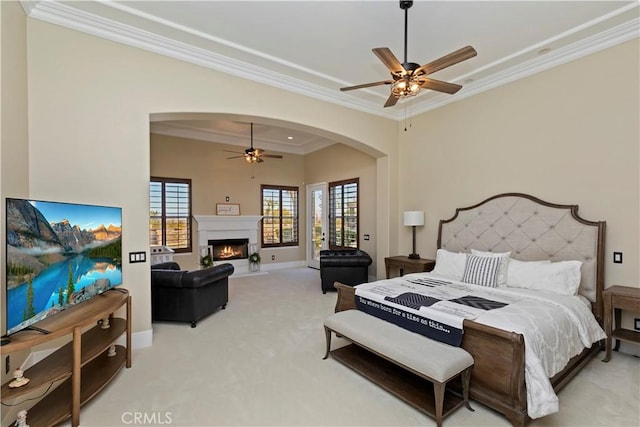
x,y
316,47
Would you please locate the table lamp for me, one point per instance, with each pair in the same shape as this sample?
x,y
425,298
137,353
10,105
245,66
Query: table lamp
x,y
413,219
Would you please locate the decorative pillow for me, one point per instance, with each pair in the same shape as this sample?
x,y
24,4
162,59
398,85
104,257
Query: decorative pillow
x,y
503,269
482,270
450,264
561,277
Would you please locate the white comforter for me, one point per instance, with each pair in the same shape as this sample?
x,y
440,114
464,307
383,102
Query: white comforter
x,y
555,328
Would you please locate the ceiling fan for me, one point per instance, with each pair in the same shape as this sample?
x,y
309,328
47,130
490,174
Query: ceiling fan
x,y
253,155
408,78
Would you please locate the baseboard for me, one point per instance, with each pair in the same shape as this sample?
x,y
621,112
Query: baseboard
x,y
630,348
141,339
282,265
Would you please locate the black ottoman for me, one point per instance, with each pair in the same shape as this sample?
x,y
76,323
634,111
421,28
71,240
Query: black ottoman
x,y
348,266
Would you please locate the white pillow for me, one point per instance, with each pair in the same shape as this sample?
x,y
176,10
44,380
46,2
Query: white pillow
x,y
450,264
519,271
488,253
482,270
561,277
503,268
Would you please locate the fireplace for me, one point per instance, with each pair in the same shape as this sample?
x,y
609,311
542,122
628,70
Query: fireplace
x,y
228,249
232,227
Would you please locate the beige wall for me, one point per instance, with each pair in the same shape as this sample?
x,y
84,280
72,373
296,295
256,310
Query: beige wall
x,y
568,135
90,102
214,177
339,162
14,179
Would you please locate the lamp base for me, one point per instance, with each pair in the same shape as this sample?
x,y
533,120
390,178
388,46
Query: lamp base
x,y
414,256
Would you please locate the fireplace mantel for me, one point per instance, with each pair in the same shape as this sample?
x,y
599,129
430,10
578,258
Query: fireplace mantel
x,y
215,227
227,222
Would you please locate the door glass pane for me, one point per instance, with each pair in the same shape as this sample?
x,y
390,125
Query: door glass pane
x,y
316,231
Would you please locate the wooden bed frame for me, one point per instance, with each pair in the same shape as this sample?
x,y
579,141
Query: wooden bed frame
x,y
530,229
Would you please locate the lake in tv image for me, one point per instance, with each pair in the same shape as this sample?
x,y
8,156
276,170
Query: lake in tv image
x,y
58,255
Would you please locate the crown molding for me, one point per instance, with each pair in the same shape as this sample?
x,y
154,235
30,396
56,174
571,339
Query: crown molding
x,y
608,38
61,14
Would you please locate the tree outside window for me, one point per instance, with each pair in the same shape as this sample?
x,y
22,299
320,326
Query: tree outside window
x,y
280,216
343,214
170,213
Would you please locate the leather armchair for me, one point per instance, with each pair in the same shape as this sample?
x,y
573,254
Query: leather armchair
x,y
188,296
348,266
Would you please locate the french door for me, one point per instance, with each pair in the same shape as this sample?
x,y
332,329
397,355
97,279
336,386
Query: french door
x,y
317,211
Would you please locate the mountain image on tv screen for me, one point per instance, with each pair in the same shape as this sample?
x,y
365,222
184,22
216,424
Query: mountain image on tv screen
x,y
58,255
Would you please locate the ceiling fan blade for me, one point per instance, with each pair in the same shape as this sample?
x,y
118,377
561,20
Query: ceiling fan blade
x,y
235,157
391,101
272,156
390,60
385,82
447,60
439,86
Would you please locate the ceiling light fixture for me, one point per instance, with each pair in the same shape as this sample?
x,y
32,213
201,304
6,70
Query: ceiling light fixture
x,y
406,86
253,155
408,78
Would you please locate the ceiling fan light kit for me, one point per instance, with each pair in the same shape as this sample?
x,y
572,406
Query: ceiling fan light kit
x,y
253,155
409,78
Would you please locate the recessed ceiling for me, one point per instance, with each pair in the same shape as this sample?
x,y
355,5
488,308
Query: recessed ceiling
x,y
316,47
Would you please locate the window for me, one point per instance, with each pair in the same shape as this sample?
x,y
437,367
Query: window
x,y
280,216
170,213
343,214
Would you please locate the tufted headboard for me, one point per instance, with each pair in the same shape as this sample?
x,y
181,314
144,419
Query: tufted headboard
x,y
531,230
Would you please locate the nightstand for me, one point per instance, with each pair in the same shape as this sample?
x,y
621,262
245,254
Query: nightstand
x,y
617,298
405,265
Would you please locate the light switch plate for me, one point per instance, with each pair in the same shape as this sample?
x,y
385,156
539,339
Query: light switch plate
x,y
137,257
617,257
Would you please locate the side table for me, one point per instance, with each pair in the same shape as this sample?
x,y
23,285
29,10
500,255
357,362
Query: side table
x,y
405,265
617,298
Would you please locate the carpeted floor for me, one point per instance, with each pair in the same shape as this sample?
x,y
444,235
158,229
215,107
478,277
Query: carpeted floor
x,y
259,363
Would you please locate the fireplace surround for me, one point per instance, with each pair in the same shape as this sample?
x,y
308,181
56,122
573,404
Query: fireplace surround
x,y
223,227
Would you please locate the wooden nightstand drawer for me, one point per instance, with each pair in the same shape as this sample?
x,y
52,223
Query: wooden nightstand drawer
x,y
405,265
625,302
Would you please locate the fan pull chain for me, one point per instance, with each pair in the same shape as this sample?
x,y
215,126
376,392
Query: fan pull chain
x,y
410,114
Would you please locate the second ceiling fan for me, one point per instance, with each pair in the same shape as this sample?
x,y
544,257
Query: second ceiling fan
x,y
408,77
253,155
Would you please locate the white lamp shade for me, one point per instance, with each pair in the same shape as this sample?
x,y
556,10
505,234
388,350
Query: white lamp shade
x,y
414,218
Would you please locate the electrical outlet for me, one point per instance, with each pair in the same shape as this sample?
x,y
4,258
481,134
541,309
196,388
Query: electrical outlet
x,y
636,323
273,257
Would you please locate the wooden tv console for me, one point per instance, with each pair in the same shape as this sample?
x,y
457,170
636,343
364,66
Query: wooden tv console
x,y
82,367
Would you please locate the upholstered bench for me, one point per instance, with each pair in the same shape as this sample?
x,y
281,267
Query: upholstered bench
x,y
434,361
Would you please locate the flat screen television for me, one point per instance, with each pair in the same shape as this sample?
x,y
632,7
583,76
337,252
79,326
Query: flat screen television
x,y
58,255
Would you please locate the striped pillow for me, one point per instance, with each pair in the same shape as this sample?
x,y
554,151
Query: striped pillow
x,y
480,270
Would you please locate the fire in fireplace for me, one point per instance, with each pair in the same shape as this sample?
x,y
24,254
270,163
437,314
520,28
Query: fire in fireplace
x,y
228,249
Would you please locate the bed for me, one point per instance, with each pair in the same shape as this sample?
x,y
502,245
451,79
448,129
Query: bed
x,y
529,229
